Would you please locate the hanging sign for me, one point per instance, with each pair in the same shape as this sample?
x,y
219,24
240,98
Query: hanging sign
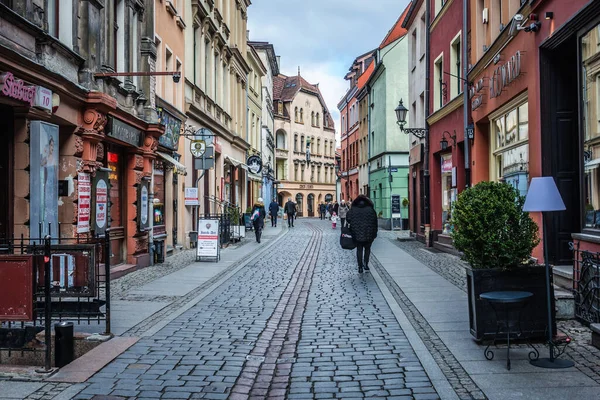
x,y
197,148
143,222
254,164
208,238
100,195
84,197
191,197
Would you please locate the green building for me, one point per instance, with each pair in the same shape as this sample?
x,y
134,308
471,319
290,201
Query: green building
x,y
388,146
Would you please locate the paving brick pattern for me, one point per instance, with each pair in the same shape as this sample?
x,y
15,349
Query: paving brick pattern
x,y
298,322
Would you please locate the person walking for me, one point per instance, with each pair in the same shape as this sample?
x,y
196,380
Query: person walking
x,y
273,211
322,210
343,212
363,225
334,220
290,210
258,218
335,208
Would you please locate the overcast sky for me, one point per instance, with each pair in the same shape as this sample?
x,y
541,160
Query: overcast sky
x,y
323,37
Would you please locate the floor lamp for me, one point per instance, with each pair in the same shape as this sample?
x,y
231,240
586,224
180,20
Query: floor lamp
x,y
543,196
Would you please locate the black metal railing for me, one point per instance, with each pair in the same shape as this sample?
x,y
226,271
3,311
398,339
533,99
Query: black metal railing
x,y
586,285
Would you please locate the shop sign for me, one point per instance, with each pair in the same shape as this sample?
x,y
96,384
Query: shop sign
x,y
170,139
197,147
17,89
100,195
208,238
43,98
505,74
446,165
416,154
123,132
84,197
143,222
191,197
254,164
306,186
396,213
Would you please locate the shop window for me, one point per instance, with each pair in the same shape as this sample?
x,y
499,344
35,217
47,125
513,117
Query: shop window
x,y
590,73
159,194
511,148
114,162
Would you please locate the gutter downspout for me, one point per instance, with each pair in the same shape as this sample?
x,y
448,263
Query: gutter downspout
x,y
467,143
427,221
369,142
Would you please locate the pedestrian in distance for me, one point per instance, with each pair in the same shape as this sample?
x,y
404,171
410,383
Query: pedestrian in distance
x,y
273,211
335,208
328,211
362,219
290,210
322,210
343,212
334,220
258,218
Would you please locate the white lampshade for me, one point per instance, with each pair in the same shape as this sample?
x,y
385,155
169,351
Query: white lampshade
x,y
543,195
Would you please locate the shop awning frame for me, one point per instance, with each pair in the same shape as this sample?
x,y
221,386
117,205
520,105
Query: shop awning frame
x,y
236,163
179,168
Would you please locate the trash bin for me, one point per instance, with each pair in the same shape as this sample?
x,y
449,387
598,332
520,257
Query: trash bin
x,y
159,251
193,239
63,344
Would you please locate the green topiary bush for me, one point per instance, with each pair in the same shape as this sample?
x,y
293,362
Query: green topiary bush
x,y
491,228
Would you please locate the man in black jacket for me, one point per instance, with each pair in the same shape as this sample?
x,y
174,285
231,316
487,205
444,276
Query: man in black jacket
x,y
290,210
363,225
273,211
258,218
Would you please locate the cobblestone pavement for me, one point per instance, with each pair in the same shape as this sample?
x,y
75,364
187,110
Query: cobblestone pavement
x,y
299,322
452,268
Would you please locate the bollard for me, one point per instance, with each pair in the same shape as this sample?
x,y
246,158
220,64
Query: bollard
x,y
63,344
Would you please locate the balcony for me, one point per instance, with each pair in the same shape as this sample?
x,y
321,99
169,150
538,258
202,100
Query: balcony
x,y
281,153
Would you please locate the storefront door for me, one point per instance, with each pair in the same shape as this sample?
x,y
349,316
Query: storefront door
x,y
115,162
6,171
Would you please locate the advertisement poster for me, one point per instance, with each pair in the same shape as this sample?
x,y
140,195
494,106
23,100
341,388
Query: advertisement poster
x,y
191,197
44,178
100,196
84,202
208,238
143,209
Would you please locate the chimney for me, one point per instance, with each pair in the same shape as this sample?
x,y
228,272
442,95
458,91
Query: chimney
x,y
278,62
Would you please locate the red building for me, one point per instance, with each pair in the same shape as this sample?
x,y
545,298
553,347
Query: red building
x,y
446,116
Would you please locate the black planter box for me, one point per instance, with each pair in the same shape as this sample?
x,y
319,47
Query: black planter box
x,y
534,317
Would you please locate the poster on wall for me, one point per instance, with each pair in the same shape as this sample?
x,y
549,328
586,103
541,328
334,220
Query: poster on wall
x,y
100,187
208,239
84,196
142,217
44,179
191,197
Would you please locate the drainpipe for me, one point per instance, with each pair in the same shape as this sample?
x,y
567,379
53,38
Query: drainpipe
x,y
151,216
427,109
466,95
369,142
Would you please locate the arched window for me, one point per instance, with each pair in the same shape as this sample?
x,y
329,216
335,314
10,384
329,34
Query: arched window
x,y
318,146
312,145
296,114
301,143
302,115
280,138
299,202
312,118
317,123
325,148
296,142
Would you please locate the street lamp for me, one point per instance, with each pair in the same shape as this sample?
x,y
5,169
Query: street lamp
x,y
401,121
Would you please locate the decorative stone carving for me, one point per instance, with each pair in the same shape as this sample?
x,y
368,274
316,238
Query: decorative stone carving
x,y
99,152
138,177
139,162
78,146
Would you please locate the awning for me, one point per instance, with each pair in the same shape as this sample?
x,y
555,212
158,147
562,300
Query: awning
x,y
592,164
179,167
236,163
254,177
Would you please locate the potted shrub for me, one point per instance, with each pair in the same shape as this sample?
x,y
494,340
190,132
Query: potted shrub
x,y
496,238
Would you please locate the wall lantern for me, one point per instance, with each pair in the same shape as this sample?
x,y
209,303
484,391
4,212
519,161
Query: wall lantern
x,y
444,142
549,15
401,121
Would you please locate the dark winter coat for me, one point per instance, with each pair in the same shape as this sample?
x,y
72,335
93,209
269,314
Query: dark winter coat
x,y
362,219
273,209
335,208
290,207
322,208
262,214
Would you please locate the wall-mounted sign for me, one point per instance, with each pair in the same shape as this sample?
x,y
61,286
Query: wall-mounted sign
x,y
191,196
206,161
44,178
254,164
100,195
208,238
126,133
197,147
16,89
143,220
84,197
505,74
43,98
172,124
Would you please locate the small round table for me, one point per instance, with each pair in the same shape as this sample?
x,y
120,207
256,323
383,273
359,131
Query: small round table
x,y
509,304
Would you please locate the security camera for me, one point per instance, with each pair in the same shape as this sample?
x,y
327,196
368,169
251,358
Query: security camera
x,y
176,77
533,27
515,25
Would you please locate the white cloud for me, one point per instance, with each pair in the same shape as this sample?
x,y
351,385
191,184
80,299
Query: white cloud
x,y
323,37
